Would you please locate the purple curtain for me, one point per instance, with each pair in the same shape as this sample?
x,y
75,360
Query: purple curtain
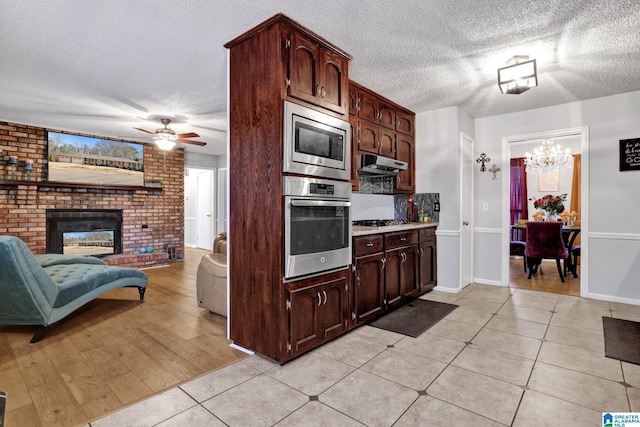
x,y
518,196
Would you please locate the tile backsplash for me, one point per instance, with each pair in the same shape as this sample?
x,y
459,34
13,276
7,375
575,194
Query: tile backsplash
x,y
376,185
425,201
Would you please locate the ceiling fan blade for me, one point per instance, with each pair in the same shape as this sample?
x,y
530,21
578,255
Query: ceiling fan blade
x,y
186,141
144,130
188,135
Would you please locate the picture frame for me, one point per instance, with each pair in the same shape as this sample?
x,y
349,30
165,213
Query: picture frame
x,y
549,181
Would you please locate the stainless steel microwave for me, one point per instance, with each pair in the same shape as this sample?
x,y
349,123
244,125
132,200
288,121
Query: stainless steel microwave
x,y
315,143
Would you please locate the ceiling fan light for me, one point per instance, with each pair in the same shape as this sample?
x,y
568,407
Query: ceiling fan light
x,y
165,144
518,76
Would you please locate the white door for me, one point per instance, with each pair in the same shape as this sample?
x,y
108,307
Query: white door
x,y
466,210
222,200
205,209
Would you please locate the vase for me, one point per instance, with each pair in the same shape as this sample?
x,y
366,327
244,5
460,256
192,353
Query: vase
x,y
550,216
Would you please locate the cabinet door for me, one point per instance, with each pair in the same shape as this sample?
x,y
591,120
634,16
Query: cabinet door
x,y
368,287
386,142
355,155
354,101
405,123
369,107
428,265
409,284
332,90
304,319
303,68
334,308
386,115
393,276
368,137
405,151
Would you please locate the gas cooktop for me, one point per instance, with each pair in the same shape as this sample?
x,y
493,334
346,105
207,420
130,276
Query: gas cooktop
x,y
379,222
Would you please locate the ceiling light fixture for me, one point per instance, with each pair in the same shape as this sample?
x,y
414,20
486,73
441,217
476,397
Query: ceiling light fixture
x,y
165,142
518,76
547,158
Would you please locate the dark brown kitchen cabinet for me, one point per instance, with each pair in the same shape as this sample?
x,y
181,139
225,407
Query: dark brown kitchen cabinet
x,y
355,155
427,259
401,253
317,310
405,181
377,110
368,284
376,139
317,75
405,122
277,60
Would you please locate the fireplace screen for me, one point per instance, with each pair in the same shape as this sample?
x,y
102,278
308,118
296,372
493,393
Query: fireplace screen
x,y
88,243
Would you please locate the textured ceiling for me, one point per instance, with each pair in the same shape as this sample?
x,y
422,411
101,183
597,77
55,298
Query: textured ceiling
x,y
103,67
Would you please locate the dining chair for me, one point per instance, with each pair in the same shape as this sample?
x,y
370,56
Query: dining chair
x,y
544,241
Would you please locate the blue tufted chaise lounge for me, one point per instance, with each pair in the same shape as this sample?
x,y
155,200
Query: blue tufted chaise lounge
x,y
43,289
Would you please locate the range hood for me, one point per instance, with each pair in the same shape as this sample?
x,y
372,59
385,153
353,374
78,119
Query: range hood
x,y
374,165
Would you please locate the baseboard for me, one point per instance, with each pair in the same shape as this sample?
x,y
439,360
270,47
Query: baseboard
x,y
488,282
242,349
611,298
448,290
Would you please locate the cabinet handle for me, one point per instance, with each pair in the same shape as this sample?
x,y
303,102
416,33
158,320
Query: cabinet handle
x,y
369,244
325,296
421,251
404,239
383,264
324,92
319,299
404,257
317,90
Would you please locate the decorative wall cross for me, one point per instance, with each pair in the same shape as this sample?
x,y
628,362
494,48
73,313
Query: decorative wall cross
x,y
483,159
494,169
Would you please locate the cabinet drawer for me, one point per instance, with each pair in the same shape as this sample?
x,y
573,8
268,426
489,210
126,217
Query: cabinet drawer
x,y
403,238
367,244
427,234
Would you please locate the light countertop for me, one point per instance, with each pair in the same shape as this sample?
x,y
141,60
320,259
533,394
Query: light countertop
x,y
359,230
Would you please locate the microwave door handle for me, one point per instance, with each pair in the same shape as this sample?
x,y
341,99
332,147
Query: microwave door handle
x,y
319,203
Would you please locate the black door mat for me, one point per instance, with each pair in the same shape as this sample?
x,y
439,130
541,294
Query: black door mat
x,y
621,339
414,318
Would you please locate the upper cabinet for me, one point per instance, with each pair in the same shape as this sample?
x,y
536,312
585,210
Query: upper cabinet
x,y
377,110
382,127
317,74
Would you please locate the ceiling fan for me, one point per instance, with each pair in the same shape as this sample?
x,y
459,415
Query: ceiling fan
x,y
166,138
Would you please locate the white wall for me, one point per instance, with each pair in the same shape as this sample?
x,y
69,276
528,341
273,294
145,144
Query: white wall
x,y
614,196
438,171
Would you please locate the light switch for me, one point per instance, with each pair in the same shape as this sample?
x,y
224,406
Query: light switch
x,y
485,207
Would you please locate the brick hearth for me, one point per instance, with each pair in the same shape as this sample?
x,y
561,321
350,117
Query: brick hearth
x,y
23,206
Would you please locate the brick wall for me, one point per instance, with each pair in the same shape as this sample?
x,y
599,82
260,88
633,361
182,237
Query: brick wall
x,y
23,207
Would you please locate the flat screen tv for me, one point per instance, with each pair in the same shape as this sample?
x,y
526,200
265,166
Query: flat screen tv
x,y
85,160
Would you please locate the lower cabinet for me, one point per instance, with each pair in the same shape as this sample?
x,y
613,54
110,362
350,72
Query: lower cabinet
x,y
390,268
318,308
427,260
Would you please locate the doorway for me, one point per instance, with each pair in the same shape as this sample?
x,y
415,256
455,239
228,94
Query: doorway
x,y
511,147
199,192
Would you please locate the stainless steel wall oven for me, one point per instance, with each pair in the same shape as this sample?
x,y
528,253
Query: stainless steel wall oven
x,y
317,223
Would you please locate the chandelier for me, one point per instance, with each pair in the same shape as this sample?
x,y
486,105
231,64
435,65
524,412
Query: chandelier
x,y
547,158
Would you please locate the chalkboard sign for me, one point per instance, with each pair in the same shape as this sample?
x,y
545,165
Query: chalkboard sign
x,y
630,154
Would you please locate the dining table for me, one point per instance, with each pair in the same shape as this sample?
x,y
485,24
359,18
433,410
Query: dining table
x,y
569,235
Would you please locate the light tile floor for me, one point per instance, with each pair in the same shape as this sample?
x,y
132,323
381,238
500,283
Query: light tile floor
x,y
503,357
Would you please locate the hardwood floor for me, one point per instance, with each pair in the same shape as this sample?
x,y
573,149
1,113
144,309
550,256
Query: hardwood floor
x,y
547,282
113,351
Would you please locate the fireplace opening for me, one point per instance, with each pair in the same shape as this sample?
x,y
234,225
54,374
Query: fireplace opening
x,y
84,232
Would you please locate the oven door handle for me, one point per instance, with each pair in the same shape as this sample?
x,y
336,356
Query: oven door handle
x,y
298,202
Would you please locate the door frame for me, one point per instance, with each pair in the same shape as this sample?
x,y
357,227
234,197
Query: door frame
x,y
466,139
583,133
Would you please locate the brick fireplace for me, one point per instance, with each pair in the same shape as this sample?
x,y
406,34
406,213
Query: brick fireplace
x,y
151,217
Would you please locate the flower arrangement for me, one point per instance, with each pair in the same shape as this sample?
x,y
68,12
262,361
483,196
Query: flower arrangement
x,y
551,204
